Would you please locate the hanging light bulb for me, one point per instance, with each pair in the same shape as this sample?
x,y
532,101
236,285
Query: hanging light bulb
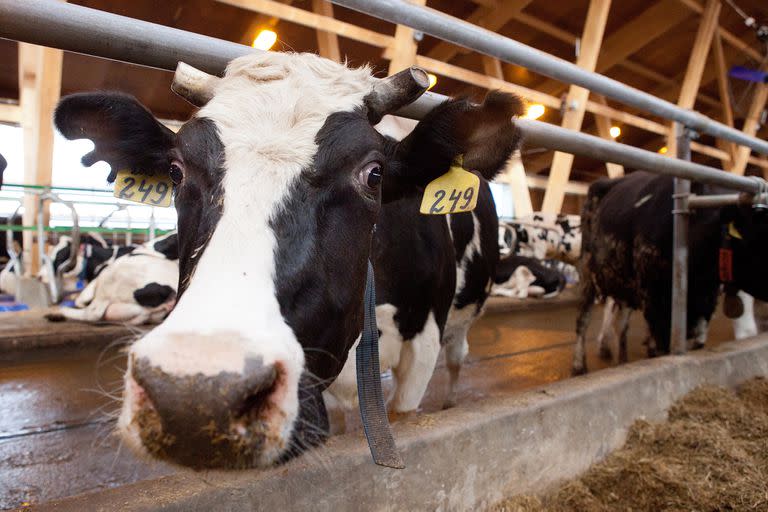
x,y
534,111
265,40
615,131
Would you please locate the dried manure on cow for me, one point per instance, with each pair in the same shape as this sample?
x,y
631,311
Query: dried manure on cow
x,y
284,191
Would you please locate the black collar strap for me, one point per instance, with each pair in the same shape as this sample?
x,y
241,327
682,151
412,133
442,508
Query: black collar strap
x,y
373,412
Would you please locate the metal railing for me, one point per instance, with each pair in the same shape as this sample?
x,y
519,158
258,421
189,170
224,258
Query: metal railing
x,y
82,30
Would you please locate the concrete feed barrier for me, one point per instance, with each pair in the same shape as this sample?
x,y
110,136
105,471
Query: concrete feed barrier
x,y
460,459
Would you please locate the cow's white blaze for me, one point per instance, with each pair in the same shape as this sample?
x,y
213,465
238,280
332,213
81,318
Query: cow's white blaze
x,y
268,109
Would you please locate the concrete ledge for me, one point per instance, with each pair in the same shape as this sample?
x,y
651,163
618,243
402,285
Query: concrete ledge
x,y
461,459
30,330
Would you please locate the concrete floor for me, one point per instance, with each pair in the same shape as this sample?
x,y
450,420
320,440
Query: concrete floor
x,y
57,404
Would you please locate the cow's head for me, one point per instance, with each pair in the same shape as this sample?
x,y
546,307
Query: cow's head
x,y
279,180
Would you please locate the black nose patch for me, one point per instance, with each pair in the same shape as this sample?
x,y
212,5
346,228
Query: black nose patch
x,y
153,295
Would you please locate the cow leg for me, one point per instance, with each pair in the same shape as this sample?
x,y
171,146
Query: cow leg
x,y
607,334
87,295
745,326
456,347
417,363
624,328
582,322
93,313
700,333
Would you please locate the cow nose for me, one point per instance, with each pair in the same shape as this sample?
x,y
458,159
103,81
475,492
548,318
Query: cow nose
x,y
206,420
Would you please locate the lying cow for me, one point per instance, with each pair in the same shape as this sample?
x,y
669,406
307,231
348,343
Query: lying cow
x,y
627,255
541,235
137,288
521,277
280,180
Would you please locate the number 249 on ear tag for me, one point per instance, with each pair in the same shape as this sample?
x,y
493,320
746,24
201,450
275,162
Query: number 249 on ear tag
x,y
453,192
139,188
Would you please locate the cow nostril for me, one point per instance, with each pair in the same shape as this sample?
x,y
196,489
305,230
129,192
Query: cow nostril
x,y
255,404
261,383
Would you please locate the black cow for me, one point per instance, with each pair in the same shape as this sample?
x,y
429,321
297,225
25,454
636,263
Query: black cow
x,y
627,254
280,181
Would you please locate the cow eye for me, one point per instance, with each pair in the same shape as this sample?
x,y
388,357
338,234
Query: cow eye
x,y
370,176
176,172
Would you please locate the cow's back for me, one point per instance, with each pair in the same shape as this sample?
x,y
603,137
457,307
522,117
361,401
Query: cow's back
x,y
414,261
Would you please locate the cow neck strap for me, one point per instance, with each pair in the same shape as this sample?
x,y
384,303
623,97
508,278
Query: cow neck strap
x,y
373,412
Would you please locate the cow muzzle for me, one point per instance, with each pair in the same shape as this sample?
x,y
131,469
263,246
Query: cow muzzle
x,y
226,420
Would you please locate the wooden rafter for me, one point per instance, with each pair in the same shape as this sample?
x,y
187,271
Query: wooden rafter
x,y
697,60
604,130
405,46
327,42
492,18
751,124
655,21
566,37
576,101
725,98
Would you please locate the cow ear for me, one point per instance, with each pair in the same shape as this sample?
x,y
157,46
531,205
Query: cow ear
x,y
484,134
125,134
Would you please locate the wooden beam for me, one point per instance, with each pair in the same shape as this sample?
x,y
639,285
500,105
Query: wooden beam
x,y
592,39
631,37
567,37
39,90
10,113
327,42
405,46
696,62
492,18
604,130
316,21
514,171
725,97
751,124
728,37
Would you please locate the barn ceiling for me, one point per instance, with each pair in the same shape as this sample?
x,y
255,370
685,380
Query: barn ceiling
x,y
647,44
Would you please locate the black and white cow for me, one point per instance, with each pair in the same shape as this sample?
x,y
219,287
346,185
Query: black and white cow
x,y
539,280
542,235
138,287
280,181
627,255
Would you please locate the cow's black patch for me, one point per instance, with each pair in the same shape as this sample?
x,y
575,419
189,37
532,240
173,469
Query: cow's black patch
x,y
153,295
200,196
168,246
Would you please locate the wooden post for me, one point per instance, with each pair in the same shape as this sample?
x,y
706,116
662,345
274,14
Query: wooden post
x,y
405,46
696,62
576,103
751,124
725,97
327,42
604,130
39,90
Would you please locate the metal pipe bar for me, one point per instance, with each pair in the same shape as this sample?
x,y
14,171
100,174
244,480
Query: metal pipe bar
x,y
89,31
718,200
682,190
582,144
462,33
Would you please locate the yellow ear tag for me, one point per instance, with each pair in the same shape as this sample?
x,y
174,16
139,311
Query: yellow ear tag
x,y
733,232
151,190
453,192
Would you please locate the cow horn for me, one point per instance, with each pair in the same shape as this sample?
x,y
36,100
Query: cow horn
x,y
395,92
193,85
